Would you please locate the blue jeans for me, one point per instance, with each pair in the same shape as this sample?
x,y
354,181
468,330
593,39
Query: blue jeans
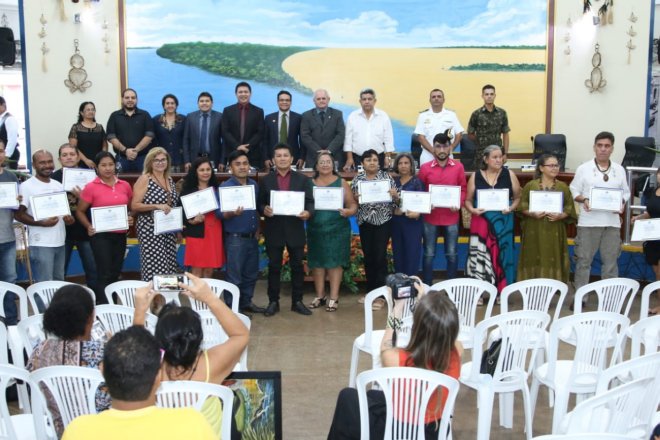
x,y
47,263
8,275
86,258
450,234
131,166
242,266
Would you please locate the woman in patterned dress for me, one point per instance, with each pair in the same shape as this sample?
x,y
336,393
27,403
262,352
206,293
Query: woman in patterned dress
x,y
155,191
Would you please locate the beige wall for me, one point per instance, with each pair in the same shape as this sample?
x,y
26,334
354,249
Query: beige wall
x,y
621,106
52,107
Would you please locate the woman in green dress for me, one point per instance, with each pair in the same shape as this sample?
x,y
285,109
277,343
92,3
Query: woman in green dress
x,y
329,236
544,251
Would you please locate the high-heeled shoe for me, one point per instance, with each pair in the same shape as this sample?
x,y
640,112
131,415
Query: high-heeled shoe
x,y
318,302
332,305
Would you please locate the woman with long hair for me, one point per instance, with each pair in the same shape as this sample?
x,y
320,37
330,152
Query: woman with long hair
x,y
204,249
168,129
87,135
433,346
544,250
155,191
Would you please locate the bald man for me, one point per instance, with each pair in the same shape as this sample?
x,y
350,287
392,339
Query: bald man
x,y
322,129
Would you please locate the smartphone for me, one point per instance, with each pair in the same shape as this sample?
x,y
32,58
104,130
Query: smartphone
x,y
169,282
98,332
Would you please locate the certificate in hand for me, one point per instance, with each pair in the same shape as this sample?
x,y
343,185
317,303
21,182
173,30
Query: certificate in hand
x,y
328,198
171,222
374,191
199,202
9,195
233,197
445,196
645,230
606,199
287,202
416,201
76,177
49,205
546,201
110,218
493,199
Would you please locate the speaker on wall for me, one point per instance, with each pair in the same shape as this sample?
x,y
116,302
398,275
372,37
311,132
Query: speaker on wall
x,y
7,47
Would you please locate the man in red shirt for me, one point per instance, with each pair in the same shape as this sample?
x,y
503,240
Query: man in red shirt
x,y
442,170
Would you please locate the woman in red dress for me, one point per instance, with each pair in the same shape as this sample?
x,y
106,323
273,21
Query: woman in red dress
x,y
204,249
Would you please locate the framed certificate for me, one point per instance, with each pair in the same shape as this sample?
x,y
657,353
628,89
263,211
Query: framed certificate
x,y
287,202
328,198
416,201
199,202
110,218
49,205
546,201
374,191
234,197
76,177
445,196
165,223
493,199
606,199
9,195
644,230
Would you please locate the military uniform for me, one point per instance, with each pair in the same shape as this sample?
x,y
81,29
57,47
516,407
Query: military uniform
x,y
488,128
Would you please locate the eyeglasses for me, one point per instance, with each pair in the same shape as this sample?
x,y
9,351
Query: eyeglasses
x,y
160,160
551,165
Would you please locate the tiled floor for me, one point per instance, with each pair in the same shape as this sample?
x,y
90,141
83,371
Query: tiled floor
x,y
313,353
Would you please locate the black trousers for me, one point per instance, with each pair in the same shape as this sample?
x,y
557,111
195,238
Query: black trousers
x,y
109,249
374,246
275,270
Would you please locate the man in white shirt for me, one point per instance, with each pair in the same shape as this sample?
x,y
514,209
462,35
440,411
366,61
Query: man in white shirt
x,y
598,230
9,134
45,237
368,129
436,120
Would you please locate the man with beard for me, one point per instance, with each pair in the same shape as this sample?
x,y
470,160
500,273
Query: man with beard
x,y
47,236
442,170
130,131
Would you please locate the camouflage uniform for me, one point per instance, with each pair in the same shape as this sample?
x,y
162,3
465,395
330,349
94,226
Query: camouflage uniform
x,y
488,128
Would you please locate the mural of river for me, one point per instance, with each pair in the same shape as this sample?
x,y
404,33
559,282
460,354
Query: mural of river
x,y
153,77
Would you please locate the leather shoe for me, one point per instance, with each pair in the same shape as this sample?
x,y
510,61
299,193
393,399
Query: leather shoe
x,y
299,307
252,308
273,307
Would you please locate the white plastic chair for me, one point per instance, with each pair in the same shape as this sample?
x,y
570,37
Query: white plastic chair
x,y
369,341
73,390
45,291
407,392
646,298
615,411
22,298
185,393
465,294
20,426
219,287
115,318
599,436
516,330
593,334
125,291
645,332
31,333
537,294
215,335
612,294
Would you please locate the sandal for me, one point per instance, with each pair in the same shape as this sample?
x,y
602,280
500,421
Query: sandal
x,y
318,302
332,305
378,304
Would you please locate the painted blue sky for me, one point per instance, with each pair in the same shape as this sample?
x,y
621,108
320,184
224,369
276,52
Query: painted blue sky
x,y
340,23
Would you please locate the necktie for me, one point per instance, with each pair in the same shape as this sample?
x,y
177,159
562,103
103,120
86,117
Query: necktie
x,y
204,134
284,129
243,116
322,116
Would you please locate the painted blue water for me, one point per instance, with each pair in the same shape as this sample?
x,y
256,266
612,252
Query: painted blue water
x,y
153,77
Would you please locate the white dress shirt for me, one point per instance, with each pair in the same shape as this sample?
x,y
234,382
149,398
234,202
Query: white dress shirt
x,y
364,134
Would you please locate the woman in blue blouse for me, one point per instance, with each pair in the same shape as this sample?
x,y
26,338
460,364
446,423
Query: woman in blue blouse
x,y
407,227
169,130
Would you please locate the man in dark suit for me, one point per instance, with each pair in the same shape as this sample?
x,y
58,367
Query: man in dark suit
x,y
282,126
202,134
243,125
285,230
322,128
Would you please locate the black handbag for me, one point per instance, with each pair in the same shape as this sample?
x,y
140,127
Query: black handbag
x,y
489,358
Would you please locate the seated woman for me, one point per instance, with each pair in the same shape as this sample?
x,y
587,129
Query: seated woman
x,y
179,333
68,324
435,319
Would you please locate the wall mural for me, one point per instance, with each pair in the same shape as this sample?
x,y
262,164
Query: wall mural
x,y
400,49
